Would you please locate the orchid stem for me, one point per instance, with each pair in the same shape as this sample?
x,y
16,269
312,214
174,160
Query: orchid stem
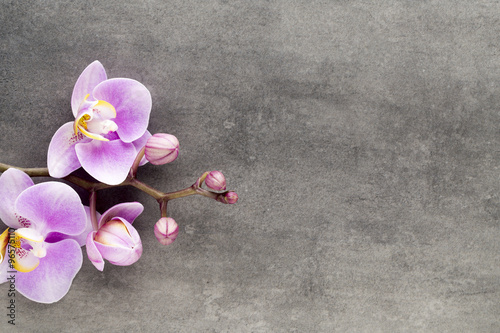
x,y
143,187
93,210
137,161
32,172
92,187
163,207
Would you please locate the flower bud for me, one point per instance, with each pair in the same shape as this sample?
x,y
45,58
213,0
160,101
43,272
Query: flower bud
x,y
166,230
216,181
228,197
162,148
118,242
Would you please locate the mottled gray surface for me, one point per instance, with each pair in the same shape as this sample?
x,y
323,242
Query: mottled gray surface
x,y
362,138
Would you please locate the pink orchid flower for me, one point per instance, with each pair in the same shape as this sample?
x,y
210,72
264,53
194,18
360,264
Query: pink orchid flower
x,y
110,127
44,269
116,240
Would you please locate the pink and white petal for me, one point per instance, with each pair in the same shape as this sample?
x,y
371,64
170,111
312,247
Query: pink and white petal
x,y
132,231
120,256
141,142
55,237
126,210
107,161
104,110
88,80
61,157
93,253
52,207
51,280
132,102
12,183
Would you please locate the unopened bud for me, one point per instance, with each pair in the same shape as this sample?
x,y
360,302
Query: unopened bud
x,y
166,230
216,181
228,197
162,148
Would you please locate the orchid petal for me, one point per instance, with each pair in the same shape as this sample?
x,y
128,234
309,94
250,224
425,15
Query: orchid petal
x,y
30,234
105,110
55,237
126,210
88,80
132,102
141,142
114,233
51,280
12,183
52,207
61,158
120,256
108,162
93,253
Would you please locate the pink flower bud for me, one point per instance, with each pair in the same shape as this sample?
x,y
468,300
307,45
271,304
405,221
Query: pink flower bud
x,y
166,230
162,148
228,197
216,181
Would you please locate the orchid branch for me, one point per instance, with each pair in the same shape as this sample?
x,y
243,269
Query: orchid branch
x,y
161,197
100,106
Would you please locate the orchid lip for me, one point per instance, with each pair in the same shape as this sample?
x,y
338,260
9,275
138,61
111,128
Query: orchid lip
x,y
94,119
29,246
32,241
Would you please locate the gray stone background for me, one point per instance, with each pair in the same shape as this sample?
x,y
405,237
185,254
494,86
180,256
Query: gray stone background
x,y
362,138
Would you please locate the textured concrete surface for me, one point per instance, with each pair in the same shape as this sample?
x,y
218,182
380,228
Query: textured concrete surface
x,y
362,138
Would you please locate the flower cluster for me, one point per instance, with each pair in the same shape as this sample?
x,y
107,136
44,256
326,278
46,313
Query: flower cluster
x,y
47,223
